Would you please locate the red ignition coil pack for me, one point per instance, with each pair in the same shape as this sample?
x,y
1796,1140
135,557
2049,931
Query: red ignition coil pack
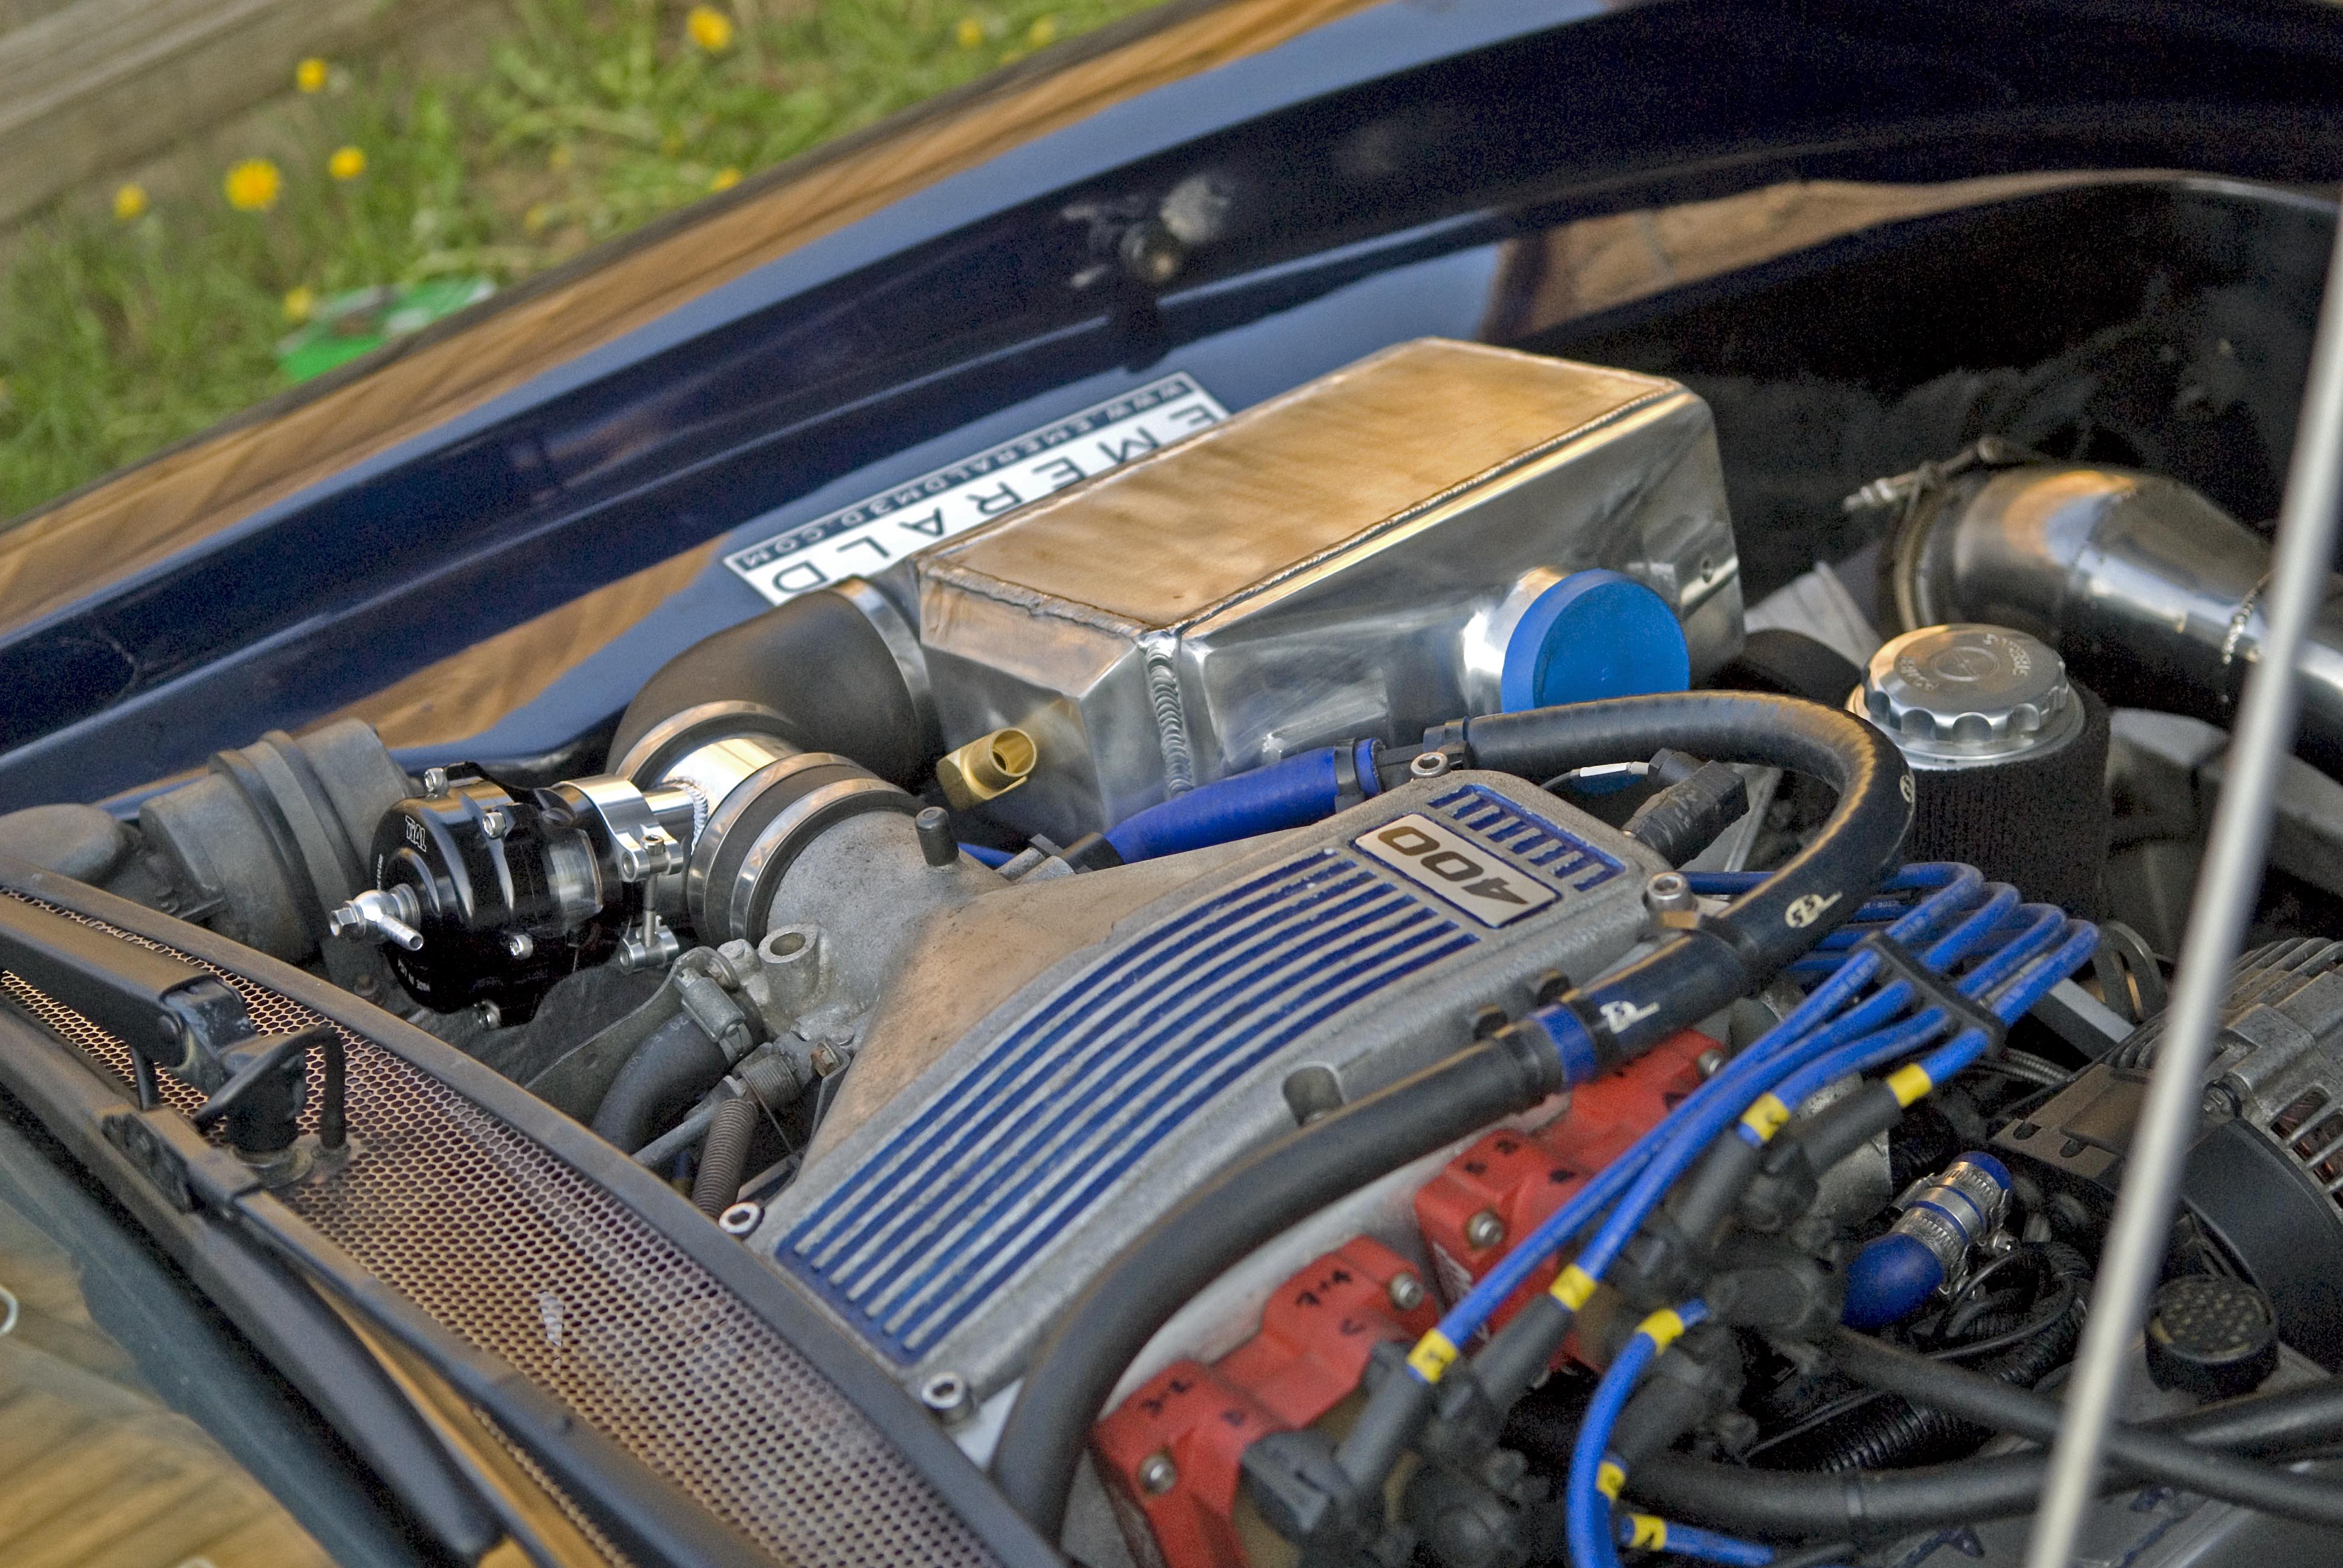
x,y
1505,1184
1171,1454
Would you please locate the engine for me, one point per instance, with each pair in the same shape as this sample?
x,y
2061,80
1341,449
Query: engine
x,y
1278,986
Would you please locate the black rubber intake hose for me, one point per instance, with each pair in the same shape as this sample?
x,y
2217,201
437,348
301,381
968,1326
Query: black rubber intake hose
x,y
819,662
1877,1505
1067,1384
1892,1431
2157,1456
724,1155
674,1066
1724,958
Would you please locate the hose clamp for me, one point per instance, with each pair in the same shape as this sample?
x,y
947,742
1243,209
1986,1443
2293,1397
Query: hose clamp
x,y
1954,1211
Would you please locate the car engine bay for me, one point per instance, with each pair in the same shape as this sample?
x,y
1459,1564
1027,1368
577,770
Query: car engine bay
x,y
1267,987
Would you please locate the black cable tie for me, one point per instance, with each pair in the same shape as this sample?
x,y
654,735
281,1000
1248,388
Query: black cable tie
x,y
1348,791
1932,989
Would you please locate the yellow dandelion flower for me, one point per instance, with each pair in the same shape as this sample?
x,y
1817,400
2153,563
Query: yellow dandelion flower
x,y
253,185
1042,33
309,75
708,28
300,303
129,201
346,164
970,33
726,178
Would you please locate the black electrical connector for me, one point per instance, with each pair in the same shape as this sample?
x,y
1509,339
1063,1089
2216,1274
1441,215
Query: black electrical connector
x,y
1789,1176
1766,1283
1686,817
1673,1249
1694,1380
1476,1396
1492,1513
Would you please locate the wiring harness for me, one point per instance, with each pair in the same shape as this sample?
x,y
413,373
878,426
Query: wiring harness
x,y
1916,988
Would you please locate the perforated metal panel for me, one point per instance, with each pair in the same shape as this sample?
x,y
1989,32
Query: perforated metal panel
x,y
520,1254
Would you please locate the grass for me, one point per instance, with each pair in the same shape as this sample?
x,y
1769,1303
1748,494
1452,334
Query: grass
x,y
120,334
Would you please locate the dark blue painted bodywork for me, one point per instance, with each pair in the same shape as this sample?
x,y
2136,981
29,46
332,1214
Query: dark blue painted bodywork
x,y
1370,169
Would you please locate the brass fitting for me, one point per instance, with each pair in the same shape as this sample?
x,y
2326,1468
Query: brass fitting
x,y
986,767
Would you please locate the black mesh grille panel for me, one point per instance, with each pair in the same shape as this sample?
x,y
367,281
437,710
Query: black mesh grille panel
x,y
514,1250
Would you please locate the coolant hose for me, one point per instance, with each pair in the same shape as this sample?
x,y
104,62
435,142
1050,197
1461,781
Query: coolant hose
x,y
1855,848
1882,1504
1293,793
2157,1456
724,1156
1725,957
1076,1368
1892,1431
819,663
675,1065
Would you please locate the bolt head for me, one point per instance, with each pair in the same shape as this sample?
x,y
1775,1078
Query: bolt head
x,y
1485,1229
947,1396
489,1014
740,1219
520,945
1428,764
1151,253
1406,1292
1670,893
494,822
1707,1062
1158,1474
435,782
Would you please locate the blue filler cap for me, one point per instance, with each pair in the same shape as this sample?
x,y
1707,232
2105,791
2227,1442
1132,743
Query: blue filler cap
x,y
1594,633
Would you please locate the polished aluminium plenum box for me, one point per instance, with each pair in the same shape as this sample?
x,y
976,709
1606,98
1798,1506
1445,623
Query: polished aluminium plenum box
x,y
1345,561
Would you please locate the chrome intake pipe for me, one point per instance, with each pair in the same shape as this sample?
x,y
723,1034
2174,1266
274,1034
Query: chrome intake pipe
x,y
2153,594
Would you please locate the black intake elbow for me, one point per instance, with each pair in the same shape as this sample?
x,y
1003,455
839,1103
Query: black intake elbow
x,y
838,667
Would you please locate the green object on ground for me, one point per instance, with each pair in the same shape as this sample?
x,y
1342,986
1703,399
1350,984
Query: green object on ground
x,y
361,321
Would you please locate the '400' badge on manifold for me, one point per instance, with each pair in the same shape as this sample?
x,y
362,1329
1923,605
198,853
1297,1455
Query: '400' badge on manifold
x,y
860,539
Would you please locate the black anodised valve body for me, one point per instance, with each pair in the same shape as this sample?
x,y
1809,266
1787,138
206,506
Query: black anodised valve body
x,y
497,888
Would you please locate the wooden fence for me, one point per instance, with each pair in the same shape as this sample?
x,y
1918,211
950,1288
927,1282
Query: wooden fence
x,y
88,87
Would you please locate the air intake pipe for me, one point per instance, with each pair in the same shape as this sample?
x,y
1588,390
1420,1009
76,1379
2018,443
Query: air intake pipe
x,y
838,670
735,758
2151,592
